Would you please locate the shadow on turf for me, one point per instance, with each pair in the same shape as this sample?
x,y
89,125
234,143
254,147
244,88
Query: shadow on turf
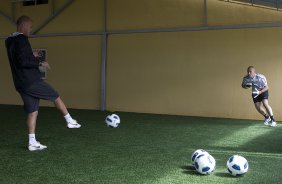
x,y
190,170
224,175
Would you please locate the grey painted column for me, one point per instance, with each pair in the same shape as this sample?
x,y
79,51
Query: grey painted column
x,y
103,72
104,62
205,13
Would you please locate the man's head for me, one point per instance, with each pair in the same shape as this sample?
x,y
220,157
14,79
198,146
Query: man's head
x,y
251,71
24,25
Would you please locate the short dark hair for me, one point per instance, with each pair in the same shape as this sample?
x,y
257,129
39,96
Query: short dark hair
x,y
23,19
250,67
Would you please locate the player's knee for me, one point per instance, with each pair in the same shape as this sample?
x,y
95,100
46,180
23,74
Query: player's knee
x,y
34,113
57,99
266,105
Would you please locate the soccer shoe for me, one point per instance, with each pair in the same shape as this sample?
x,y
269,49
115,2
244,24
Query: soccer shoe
x,y
273,124
266,121
36,146
73,124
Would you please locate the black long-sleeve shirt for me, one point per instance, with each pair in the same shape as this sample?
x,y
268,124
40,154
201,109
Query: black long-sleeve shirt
x,y
24,66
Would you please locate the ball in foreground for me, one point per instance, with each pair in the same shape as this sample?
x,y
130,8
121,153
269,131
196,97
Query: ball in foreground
x,y
197,153
205,164
237,165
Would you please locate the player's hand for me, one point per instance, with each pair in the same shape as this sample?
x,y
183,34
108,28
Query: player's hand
x,y
37,53
46,65
248,85
256,93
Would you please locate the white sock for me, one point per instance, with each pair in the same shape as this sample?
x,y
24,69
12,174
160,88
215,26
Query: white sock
x,y
68,118
32,139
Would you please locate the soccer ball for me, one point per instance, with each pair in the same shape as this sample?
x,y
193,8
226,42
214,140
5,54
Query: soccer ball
x,y
205,164
116,117
112,121
237,165
196,154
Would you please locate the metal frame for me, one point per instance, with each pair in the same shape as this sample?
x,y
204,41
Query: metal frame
x,y
19,1
104,61
242,26
52,16
53,10
205,13
7,17
184,29
66,34
253,3
13,12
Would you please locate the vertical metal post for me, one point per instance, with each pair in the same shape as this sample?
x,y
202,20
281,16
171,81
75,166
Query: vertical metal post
x,y
277,6
52,7
205,13
13,12
103,72
104,61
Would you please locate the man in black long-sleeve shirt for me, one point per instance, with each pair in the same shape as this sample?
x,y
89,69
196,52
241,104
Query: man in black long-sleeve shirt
x,y
27,80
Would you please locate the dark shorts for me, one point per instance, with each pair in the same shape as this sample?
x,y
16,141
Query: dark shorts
x,y
35,92
261,97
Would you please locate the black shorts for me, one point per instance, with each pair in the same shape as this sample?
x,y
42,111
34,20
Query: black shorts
x,y
261,97
34,93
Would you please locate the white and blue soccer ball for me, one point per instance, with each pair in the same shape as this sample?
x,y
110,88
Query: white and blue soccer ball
x,y
112,121
205,164
237,165
197,153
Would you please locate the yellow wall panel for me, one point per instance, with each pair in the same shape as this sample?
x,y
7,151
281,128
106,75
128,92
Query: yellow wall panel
x,y
59,3
80,16
6,7
6,27
136,14
192,73
75,70
187,73
38,13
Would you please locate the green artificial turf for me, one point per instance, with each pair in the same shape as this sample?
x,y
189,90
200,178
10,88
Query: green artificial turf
x,y
149,149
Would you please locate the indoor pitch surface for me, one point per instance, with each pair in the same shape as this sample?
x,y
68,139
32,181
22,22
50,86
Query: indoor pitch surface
x,y
152,149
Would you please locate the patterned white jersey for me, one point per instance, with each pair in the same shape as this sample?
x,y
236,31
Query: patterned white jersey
x,y
258,82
